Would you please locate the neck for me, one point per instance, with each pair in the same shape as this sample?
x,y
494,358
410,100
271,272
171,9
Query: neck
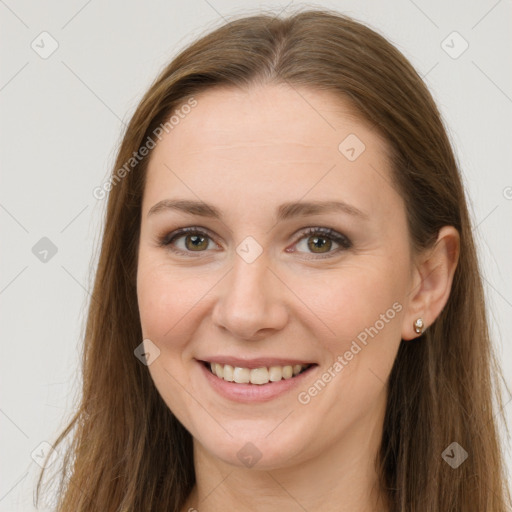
x,y
341,479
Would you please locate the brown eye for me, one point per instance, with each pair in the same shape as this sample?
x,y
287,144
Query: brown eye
x,y
195,242
319,243
187,240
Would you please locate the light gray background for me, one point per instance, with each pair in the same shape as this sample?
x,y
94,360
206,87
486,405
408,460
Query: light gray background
x,y
62,118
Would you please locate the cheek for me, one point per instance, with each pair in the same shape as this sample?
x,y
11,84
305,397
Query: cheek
x,y
166,306
166,300
353,298
157,303
362,307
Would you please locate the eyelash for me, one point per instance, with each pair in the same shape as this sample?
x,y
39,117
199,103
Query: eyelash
x,y
338,238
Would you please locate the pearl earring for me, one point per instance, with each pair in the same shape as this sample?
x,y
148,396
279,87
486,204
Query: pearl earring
x,y
418,326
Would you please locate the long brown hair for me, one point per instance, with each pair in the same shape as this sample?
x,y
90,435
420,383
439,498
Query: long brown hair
x,y
129,453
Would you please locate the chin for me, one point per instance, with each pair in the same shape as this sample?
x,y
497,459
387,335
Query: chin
x,y
257,448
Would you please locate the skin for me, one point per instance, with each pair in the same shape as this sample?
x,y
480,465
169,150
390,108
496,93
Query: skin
x,y
246,152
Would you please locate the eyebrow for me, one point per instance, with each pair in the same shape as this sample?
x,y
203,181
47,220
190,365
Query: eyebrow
x,y
284,211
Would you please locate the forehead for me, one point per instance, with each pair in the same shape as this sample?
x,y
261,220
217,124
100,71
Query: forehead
x,y
271,143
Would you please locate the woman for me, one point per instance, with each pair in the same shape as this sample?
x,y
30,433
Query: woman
x,y
288,311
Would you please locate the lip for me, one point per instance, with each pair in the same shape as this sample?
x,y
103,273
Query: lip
x,y
252,393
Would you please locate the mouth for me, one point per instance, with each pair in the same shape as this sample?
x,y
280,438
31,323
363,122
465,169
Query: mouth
x,y
257,376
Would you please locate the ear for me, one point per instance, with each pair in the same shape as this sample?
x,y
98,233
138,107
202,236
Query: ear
x,y
432,281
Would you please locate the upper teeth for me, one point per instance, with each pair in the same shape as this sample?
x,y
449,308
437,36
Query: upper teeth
x,y
261,375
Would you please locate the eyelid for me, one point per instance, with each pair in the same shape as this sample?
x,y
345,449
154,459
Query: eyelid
x,y
342,240
339,238
166,240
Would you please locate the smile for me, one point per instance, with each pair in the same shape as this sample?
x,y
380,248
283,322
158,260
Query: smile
x,y
258,376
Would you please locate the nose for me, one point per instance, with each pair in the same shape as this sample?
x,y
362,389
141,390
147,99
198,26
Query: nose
x,y
251,300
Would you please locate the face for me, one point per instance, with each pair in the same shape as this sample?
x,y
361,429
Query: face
x,y
302,304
